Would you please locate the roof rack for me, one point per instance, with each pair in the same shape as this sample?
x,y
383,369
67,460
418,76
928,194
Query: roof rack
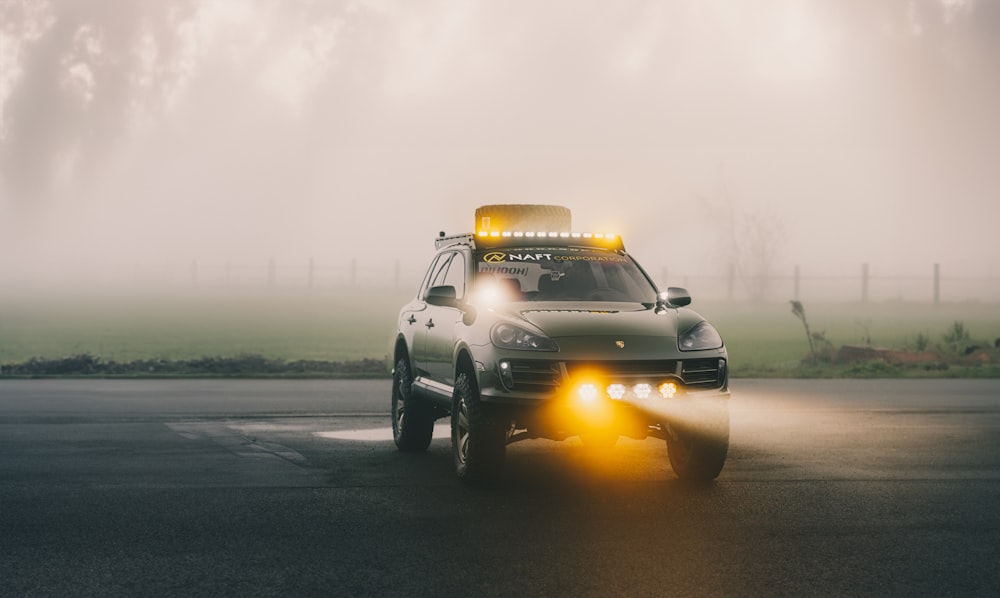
x,y
463,239
526,225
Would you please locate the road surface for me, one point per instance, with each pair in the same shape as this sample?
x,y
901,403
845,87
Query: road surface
x,y
294,488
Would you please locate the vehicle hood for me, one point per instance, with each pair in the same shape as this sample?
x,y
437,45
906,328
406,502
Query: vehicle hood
x,y
560,320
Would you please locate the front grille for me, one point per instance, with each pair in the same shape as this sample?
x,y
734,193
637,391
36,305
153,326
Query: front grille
x,y
543,376
703,373
626,370
534,375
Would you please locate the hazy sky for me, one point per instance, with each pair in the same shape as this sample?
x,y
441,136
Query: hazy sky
x,y
145,131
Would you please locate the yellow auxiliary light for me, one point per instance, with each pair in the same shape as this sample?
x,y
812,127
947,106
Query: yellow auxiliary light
x,y
616,391
668,390
587,393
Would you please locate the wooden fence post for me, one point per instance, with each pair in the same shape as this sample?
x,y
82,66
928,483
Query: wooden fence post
x,y
731,284
937,283
864,282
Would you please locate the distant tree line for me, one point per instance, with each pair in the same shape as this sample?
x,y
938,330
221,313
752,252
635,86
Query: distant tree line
x,y
239,366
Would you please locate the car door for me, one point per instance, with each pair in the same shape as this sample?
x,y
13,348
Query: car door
x,y
414,319
443,321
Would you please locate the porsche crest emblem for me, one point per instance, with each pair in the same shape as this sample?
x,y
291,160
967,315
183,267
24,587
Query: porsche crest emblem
x,y
620,344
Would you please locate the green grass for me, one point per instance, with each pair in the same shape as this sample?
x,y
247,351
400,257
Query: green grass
x,y
321,327
769,340
763,340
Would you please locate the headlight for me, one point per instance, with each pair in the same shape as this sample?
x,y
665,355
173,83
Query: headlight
x,y
702,336
509,336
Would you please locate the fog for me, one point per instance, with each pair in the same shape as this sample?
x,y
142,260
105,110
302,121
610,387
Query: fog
x,y
152,136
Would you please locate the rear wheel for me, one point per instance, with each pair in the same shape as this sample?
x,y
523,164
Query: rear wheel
x,y
412,419
698,448
478,440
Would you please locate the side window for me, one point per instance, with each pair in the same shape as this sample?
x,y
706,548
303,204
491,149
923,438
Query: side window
x,y
448,270
456,275
433,273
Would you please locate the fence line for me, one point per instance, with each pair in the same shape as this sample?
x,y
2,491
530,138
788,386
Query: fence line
x,y
933,287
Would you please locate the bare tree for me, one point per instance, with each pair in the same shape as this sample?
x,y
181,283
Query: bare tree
x,y
751,240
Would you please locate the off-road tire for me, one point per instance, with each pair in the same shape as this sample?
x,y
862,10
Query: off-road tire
x,y
478,441
698,449
412,419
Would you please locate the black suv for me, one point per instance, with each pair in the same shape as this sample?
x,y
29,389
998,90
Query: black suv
x,y
534,331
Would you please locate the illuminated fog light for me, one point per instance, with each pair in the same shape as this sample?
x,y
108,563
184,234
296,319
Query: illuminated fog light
x,y
587,393
506,233
668,390
642,390
518,234
495,233
616,391
506,374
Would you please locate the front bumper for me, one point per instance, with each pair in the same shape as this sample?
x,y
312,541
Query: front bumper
x,y
520,381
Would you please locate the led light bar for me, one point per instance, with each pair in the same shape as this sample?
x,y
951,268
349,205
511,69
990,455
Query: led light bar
x,y
589,392
484,233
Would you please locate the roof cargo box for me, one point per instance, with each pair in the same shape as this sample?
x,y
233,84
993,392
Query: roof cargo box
x,y
523,217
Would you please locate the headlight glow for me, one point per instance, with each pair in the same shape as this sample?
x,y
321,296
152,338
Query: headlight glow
x,y
509,336
616,391
702,336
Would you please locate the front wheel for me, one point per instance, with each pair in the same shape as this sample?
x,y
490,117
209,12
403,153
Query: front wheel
x,y
412,419
478,441
698,448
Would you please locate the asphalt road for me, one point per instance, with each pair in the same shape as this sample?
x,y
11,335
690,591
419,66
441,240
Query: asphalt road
x,y
294,488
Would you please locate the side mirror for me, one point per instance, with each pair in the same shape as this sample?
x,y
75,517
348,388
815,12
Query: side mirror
x,y
443,296
675,297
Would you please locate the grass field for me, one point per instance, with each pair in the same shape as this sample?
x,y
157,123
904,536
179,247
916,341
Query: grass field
x,y
763,340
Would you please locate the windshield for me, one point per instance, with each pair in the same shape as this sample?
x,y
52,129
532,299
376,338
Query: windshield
x,y
563,274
